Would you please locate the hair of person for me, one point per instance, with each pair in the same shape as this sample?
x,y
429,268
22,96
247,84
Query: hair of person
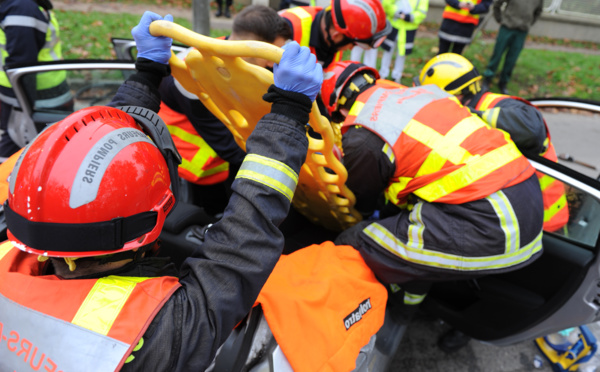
x,y
262,21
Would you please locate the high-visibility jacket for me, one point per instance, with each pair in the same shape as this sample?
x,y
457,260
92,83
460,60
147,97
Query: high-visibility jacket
x,y
556,211
72,325
200,164
442,152
462,15
50,52
302,19
417,14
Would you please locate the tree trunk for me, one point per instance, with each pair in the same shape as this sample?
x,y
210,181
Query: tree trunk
x,y
201,17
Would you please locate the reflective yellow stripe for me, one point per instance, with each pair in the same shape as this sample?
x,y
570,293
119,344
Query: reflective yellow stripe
x,y
444,147
388,241
416,227
356,108
305,22
269,172
546,181
558,206
387,150
413,299
104,303
508,220
196,165
475,169
487,100
5,248
491,116
395,188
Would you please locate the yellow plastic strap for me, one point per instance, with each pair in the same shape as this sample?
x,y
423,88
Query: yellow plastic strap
x,y
556,207
508,220
104,303
232,90
476,169
306,21
384,238
269,172
413,299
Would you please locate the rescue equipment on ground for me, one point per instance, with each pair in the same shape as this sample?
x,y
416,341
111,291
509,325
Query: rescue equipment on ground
x,y
232,90
565,352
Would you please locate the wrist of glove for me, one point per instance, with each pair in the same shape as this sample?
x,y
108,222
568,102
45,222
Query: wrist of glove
x,y
294,105
408,17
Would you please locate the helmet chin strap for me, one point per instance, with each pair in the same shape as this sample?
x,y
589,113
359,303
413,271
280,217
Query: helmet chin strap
x,y
328,25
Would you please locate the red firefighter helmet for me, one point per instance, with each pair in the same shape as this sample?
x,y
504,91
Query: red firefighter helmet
x,y
336,90
92,184
362,21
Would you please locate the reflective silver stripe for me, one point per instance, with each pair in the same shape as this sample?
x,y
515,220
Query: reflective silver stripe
x,y
9,100
387,150
454,38
413,299
52,343
91,170
25,21
416,227
388,241
388,111
508,220
269,172
53,102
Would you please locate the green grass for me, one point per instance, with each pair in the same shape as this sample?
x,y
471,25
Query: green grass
x,y
539,73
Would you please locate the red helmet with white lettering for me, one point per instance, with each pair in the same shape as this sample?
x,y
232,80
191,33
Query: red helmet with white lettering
x,y
362,21
342,81
92,184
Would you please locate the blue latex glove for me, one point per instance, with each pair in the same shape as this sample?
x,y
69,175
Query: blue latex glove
x,y
154,48
298,71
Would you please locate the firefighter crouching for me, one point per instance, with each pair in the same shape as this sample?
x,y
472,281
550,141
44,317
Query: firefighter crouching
x,y
79,288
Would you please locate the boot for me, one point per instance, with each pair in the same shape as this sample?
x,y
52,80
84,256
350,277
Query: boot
x,y
227,14
453,340
502,87
219,11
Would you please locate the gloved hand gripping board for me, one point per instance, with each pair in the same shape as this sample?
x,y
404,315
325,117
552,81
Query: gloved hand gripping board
x,y
232,90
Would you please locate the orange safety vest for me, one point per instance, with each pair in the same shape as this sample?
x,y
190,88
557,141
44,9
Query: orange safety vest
x,y
556,211
5,170
442,152
51,324
323,304
461,15
302,18
200,164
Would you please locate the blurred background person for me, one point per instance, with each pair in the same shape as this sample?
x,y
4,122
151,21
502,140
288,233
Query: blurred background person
x,y
29,33
459,20
405,17
224,10
515,19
